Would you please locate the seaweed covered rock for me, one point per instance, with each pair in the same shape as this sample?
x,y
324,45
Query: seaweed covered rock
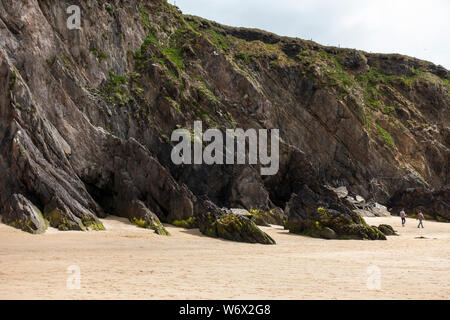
x,y
218,223
240,228
357,231
139,214
267,217
60,216
387,230
327,233
22,214
309,215
190,223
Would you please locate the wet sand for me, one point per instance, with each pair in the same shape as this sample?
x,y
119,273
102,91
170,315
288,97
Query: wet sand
x,y
126,262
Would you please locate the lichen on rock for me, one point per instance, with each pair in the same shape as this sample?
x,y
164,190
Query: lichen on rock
x,y
60,216
306,218
215,222
138,213
22,214
387,230
151,224
261,217
190,223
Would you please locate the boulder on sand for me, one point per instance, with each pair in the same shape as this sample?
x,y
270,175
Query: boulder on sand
x,y
218,223
309,215
387,230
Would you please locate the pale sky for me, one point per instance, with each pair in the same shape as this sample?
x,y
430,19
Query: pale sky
x,y
418,28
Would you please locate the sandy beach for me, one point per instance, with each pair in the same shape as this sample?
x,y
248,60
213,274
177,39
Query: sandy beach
x,y
126,262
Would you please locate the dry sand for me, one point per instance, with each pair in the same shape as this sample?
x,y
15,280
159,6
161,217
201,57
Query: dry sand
x,y
126,262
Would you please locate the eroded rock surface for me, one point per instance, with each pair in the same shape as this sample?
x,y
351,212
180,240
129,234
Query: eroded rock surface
x,y
86,117
331,220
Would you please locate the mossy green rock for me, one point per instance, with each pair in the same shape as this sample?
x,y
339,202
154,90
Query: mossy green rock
x,y
92,223
306,218
328,233
152,224
441,219
58,219
61,217
387,230
267,217
190,223
22,214
218,223
240,228
138,213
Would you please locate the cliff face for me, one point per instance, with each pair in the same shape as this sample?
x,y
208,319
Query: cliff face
x,y
86,117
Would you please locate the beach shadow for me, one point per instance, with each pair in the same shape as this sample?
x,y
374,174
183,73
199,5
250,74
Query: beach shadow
x,y
197,233
193,232
287,233
118,219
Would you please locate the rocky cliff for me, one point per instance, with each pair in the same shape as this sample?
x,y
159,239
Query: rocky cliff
x,y
86,117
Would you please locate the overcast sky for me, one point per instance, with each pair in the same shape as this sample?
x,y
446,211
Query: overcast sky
x,y
418,28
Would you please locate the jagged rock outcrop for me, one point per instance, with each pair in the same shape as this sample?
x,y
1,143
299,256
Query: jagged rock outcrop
x,y
363,208
22,214
331,220
216,222
260,217
433,203
387,230
138,213
86,117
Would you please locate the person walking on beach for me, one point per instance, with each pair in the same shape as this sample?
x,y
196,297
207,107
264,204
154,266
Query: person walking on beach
x,y
403,216
421,218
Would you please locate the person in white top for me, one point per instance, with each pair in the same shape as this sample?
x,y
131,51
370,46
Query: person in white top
x,y
403,216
